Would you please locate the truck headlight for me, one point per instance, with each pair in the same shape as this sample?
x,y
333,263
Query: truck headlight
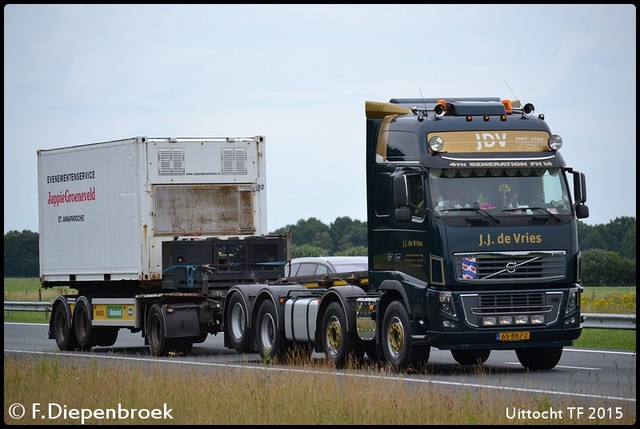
x,y
572,300
436,143
446,303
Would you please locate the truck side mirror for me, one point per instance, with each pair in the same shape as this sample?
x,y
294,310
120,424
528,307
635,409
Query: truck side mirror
x,y
403,214
400,191
580,190
582,211
579,187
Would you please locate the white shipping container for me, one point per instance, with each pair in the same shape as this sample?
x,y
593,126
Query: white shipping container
x,y
105,208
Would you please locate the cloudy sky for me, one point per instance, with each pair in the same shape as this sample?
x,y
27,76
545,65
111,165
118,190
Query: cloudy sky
x,y
300,75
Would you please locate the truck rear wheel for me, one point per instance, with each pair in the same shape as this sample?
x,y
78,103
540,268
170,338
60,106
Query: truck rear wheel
x,y
272,343
539,358
398,349
63,331
337,343
237,324
471,357
82,323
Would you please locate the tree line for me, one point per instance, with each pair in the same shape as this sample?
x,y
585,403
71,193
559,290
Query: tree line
x,y
608,250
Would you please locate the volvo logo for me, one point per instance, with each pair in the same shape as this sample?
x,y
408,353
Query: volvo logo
x,y
511,267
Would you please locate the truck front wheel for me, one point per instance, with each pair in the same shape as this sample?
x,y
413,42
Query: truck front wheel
x,y
471,357
540,358
62,329
398,349
272,342
337,343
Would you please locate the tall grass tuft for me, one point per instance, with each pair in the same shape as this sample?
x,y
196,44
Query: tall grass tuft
x,y
250,396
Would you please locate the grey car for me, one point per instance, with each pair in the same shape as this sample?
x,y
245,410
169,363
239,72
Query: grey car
x,y
317,266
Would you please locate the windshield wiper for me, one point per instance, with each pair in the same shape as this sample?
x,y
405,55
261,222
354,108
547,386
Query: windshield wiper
x,y
472,209
534,208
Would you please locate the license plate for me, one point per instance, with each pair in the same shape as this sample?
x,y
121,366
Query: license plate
x,y
513,336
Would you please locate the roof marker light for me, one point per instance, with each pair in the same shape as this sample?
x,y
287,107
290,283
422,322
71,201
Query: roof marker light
x,y
507,106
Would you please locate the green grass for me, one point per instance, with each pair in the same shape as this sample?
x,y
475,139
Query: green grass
x,y
29,289
244,396
600,299
607,339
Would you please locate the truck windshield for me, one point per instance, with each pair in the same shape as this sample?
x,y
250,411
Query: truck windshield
x,y
506,192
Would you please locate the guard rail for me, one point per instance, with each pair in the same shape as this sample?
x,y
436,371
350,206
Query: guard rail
x,y
592,320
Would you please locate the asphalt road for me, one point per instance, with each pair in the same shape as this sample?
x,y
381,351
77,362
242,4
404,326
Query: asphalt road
x,y
587,378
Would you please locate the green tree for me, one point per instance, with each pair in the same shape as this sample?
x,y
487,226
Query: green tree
x,y
603,267
304,250
348,233
308,231
619,235
343,233
353,251
615,231
628,244
21,254
323,239
590,237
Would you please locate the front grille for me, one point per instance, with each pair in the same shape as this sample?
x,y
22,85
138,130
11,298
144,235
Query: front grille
x,y
478,305
510,266
530,302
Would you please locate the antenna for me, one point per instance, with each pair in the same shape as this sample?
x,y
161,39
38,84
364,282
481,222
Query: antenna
x,y
423,102
514,94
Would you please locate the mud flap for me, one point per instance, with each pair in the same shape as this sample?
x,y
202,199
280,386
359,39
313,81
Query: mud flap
x,y
181,321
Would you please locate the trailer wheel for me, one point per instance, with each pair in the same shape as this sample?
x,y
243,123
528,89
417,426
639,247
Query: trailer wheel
x,y
398,349
158,343
540,358
471,357
82,323
271,342
337,343
63,330
237,324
